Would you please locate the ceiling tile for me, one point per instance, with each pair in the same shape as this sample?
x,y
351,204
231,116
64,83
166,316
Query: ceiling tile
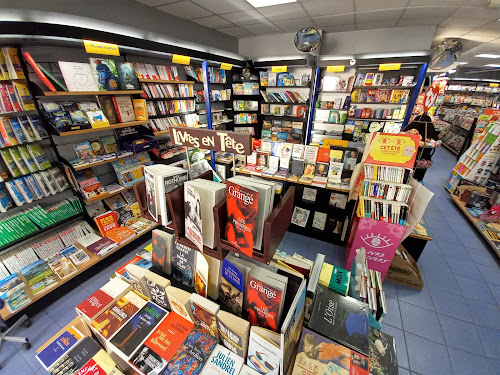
x,y
213,22
294,25
185,9
496,41
493,25
441,2
379,4
375,25
262,28
235,31
478,12
485,32
483,39
339,28
224,6
322,7
283,12
463,22
425,12
455,31
246,17
154,3
334,19
379,15
420,22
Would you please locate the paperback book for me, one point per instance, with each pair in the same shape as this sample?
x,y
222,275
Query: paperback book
x,y
183,264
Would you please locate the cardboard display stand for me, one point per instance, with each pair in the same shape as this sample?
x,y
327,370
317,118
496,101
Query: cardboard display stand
x,y
404,270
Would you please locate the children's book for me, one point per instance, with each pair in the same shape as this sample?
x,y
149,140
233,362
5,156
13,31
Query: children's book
x,y
78,76
105,73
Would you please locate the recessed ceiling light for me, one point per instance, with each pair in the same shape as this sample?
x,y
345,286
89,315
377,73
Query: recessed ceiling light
x,y
488,56
266,3
493,65
462,63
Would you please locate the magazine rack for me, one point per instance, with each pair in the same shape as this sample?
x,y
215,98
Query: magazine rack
x,y
275,228
175,202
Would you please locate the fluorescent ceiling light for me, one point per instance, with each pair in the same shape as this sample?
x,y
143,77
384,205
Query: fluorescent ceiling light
x,y
462,63
493,65
488,56
266,3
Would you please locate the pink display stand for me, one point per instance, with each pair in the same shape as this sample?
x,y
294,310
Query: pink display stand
x,y
380,239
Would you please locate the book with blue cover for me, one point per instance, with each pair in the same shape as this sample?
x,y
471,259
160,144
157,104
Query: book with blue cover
x,y
52,352
127,77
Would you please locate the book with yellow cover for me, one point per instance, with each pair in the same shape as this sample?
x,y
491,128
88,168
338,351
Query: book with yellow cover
x,y
335,278
140,109
97,119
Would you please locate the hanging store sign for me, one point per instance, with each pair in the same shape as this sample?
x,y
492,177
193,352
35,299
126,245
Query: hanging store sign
x,y
430,97
214,140
226,66
335,68
101,48
392,66
181,59
494,84
279,69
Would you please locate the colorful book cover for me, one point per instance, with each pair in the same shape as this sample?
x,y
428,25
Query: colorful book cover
x,y
203,318
106,222
109,144
94,303
84,150
192,354
107,106
76,255
192,212
105,73
113,318
39,276
401,153
61,266
264,351
232,287
127,79
343,319
59,346
120,234
222,361
97,119
38,156
132,334
318,355
183,264
242,206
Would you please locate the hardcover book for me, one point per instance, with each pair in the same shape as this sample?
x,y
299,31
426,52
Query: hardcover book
x,y
107,106
242,206
318,355
223,362
183,264
131,335
192,354
383,359
343,319
124,108
105,73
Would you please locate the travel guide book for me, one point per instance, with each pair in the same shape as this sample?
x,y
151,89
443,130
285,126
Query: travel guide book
x,y
39,276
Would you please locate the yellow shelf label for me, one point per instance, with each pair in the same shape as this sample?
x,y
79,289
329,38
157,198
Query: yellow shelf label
x,y
392,66
279,69
181,59
494,84
335,68
226,66
101,48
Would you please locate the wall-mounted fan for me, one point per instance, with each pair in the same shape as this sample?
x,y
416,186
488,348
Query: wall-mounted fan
x,y
308,39
446,54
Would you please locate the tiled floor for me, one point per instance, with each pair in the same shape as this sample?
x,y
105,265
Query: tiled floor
x,y
452,326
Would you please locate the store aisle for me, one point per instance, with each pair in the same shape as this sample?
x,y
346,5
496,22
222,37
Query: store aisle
x,y
452,326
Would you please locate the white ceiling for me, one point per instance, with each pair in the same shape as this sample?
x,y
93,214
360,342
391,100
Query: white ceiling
x,y
473,21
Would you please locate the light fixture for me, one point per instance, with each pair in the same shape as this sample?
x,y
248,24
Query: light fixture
x,y
462,63
452,71
266,3
488,56
493,65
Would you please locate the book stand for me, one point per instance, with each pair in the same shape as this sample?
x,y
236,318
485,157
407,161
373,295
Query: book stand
x,y
275,228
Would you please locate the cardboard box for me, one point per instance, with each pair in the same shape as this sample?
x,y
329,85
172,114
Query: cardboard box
x,y
404,270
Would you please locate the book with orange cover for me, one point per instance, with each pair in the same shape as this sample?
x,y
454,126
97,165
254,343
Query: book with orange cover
x,y
106,222
398,150
323,155
120,234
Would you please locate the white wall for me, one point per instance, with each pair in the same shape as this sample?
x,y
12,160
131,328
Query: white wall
x,y
398,39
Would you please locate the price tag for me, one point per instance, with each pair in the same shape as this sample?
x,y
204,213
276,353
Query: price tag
x,y
392,66
181,59
335,68
101,48
226,66
279,69
494,84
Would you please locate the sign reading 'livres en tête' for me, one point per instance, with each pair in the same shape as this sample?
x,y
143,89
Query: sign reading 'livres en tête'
x,y
215,140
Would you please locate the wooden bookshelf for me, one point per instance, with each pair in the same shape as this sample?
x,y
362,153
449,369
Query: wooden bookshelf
x,y
110,127
142,80
91,93
474,221
90,165
163,132
107,195
94,259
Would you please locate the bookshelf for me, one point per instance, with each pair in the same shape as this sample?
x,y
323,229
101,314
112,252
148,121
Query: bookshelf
x,y
89,93
95,130
143,80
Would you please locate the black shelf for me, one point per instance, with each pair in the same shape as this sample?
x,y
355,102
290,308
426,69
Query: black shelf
x,y
179,98
171,115
246,94
252,111
296,118
285,103
374,119
41,231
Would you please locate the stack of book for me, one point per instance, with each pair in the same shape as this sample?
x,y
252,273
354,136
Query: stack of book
x,y
164,123
10,66
291,97
216,75
21,130
169,107
150,71
163,90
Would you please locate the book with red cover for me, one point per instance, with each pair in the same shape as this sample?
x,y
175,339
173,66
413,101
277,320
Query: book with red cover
x,y
323,155
102,246
242,206
120,234
140,261
94,304
106,222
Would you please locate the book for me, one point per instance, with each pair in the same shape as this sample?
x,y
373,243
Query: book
x,y
78,76
60,265
300,216
84,150
201,274
105,73
100,363
234,332
335,278
108,108
242,207
59,346
102,246
75,254
38,156
264,351
106,222
317,355
234,275
161,344
264,298
179,301
156,287
109,144
245,370
127,79
192,216
319,220
383,358
78,357
140,109
183,264
223,362
192,355
124,108
97,119
163,243
205,314
343,319
132,334
39,276
114,317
